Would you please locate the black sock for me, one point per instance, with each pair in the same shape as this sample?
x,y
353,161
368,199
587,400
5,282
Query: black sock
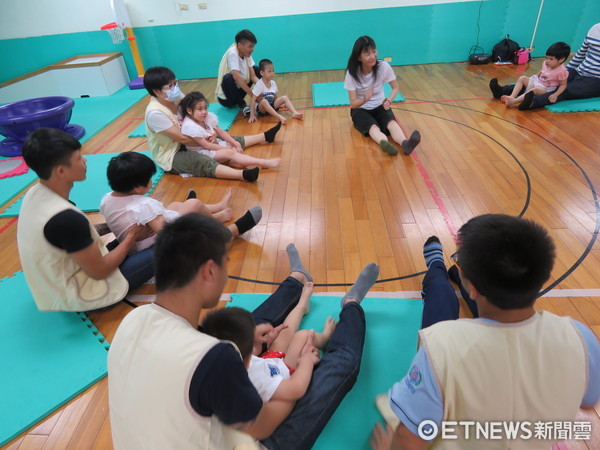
x,y
250,175
249,220
191,194
527,101
495,88
270,134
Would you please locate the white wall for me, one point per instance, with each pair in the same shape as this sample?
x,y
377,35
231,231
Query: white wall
x,y
27,18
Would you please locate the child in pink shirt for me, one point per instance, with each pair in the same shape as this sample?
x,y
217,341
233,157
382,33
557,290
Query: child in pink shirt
x,y
552,77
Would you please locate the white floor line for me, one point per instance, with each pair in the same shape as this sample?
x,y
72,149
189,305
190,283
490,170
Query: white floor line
x,y
397,294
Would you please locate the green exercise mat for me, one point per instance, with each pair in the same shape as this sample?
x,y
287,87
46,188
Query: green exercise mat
x,y
226,117
390,345
47,358
586,104
334,94
92,113
88,193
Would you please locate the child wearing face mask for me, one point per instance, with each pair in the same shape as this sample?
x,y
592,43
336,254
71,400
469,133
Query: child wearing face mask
x,y
203,127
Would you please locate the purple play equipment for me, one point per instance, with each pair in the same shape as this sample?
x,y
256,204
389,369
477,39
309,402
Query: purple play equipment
x,y
18,119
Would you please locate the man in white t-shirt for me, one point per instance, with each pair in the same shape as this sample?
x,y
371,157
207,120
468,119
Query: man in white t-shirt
x,y
237,72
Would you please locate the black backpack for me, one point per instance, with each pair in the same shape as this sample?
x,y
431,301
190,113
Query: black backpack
x,y
505,50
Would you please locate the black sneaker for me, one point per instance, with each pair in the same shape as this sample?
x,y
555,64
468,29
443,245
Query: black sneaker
x,y
495,88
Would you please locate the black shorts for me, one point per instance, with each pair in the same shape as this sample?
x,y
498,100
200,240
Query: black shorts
x,y
364,119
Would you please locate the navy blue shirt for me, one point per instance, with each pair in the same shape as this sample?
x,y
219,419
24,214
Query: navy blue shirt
x,y
69,231
220,386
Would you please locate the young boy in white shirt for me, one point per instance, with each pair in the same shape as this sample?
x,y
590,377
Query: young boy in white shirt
x,y
264,96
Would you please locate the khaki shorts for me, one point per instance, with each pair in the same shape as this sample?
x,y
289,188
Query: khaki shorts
x,y
195,163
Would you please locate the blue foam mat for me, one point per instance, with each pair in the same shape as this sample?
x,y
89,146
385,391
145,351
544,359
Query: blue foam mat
x,y
87,194
334,94
226,118
93,113
390,345
47,358
586,104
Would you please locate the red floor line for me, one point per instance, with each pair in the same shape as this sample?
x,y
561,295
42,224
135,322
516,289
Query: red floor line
x,y
108,141
436,197
433,191
10,222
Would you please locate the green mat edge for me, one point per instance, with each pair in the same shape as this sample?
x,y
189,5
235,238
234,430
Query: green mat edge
x,y
398,99
103,341
580,105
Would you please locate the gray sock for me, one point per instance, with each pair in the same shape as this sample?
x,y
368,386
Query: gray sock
x,y
295,262
363,283
256,212
249,220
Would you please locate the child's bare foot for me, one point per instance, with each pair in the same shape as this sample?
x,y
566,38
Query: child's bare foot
x,y
503,98
298,116
225,215
271,163
307,291
328,329
224,203
281,119
510,102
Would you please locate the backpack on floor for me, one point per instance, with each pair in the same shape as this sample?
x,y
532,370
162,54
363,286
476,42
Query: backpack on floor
x,y
521,56
505,50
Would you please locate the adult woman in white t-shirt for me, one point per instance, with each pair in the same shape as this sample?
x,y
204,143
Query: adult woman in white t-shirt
x,y
370,109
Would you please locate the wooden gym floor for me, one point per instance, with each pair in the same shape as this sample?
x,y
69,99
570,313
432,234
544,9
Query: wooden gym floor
x,y
345,203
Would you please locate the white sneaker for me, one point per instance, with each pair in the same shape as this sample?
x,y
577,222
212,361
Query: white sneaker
x,y
246,111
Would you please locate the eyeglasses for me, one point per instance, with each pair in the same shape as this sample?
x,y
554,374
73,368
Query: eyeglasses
x,y
455,259
171,85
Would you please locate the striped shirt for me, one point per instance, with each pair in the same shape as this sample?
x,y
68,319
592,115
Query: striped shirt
x,y
587,60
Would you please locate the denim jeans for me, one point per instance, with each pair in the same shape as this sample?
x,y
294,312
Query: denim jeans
x,y
439,298
275,309
138,268
332,379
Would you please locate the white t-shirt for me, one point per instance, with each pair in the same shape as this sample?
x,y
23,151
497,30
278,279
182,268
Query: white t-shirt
x,y
121,213
192,129
385,74
158,122
269,93
266,375
235,62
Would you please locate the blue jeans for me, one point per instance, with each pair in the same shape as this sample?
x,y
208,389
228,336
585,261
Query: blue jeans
x,y
332,379
439,298
138,268
275,309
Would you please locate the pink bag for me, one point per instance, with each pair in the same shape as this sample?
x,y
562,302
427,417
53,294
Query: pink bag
x,y
521,56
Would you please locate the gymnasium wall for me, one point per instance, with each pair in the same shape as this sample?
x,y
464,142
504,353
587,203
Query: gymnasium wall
x,y
192,42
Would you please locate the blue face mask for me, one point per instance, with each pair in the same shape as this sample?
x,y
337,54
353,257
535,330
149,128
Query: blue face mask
x,y
174,93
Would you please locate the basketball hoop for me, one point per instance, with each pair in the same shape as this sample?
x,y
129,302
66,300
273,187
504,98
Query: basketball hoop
x,y
115,31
